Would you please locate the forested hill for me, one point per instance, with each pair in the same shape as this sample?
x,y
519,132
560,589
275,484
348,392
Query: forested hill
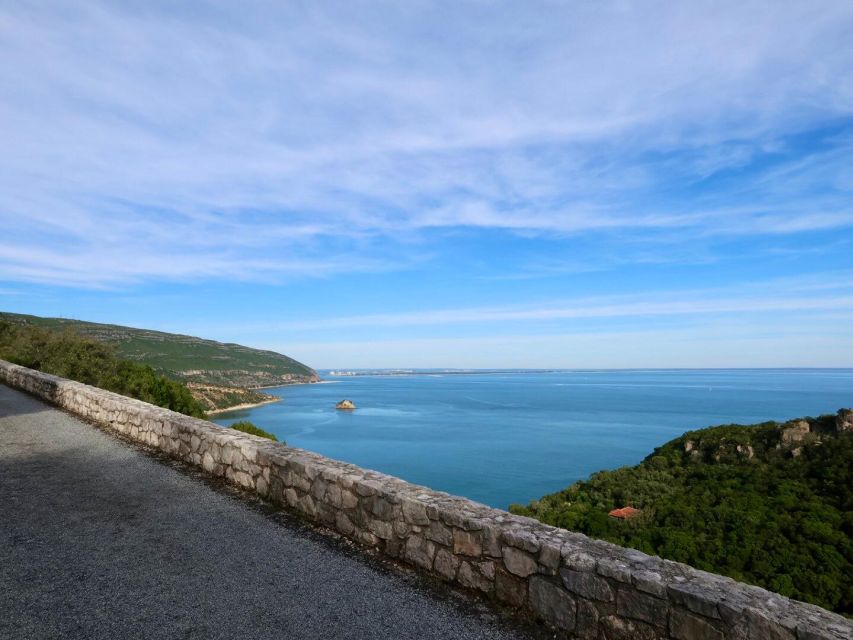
x,y
185,357
770,504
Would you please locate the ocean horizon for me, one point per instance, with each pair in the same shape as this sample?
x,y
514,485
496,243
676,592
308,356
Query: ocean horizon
x,y
513,435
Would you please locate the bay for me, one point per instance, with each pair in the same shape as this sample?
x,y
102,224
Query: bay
x,y
504,437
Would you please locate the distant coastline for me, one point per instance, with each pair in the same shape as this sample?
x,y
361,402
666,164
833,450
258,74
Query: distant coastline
x,y
296,384
355,373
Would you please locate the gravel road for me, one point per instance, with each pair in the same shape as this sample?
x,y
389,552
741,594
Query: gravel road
x,y
100,539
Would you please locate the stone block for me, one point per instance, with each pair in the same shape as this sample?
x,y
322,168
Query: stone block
x,y
348,500
306,506
630,603
451,517
207,462
552,603
615,569
521,539
333,495
754,624
415,512
578,560
650,582
381,529
467,543
261,486
587,585
687,626
833,632
549,557
696,597
366,538
471,576
519,562
616,628
446,564
364,489
291,498
382,508
586,626
509,589
326,513
342,523
439,533
491,540
420,551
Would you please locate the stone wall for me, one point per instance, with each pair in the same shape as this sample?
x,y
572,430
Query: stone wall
x,y
584,587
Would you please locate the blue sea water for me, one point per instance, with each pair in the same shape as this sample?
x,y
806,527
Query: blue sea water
x,y
500,438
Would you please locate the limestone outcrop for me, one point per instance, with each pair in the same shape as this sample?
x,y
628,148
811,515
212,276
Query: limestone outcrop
x,y
345,405
794,432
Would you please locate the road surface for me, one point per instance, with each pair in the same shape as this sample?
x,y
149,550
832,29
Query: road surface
x,y
100,539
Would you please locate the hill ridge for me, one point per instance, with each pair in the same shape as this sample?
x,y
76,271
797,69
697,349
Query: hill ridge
x,y
185,357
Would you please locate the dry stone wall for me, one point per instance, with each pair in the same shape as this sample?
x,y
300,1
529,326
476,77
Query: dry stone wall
x,y
586,588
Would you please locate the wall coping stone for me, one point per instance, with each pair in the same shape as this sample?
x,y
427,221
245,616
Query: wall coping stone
x,y
587,588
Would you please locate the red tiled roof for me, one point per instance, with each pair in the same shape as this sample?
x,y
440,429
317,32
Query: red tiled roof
x,y
624,513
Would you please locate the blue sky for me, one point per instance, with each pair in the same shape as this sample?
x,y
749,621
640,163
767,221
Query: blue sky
x,y
460,184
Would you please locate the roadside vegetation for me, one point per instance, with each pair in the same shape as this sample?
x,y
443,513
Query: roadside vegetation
x,y
751,502
69,355
247,427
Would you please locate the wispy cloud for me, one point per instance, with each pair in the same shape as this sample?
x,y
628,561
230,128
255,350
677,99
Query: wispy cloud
x,y
581,309
792,295
272,141
703,346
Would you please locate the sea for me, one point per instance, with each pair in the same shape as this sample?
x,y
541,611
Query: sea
x,y
503,437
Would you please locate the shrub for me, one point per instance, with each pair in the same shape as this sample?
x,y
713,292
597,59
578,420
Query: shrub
x,y
70,355
247,427
759,515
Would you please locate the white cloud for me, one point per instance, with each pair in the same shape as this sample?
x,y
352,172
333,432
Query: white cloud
x,y
156,131
799,296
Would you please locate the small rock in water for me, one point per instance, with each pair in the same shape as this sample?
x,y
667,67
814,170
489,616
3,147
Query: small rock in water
x,y
347,405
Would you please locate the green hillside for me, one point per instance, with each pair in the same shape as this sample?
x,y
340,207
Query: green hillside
x,y
185,357
70,355
770,504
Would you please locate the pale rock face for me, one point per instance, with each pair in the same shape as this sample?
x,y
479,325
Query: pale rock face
x,y
844,421
795,432
345,405
746,450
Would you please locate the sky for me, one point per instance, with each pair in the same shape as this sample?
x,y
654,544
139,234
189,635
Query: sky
x,y
438,184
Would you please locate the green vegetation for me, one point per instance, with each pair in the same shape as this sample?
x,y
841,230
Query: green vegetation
x,y
72,356
69,355
215,398
184,357
768,504
247,427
